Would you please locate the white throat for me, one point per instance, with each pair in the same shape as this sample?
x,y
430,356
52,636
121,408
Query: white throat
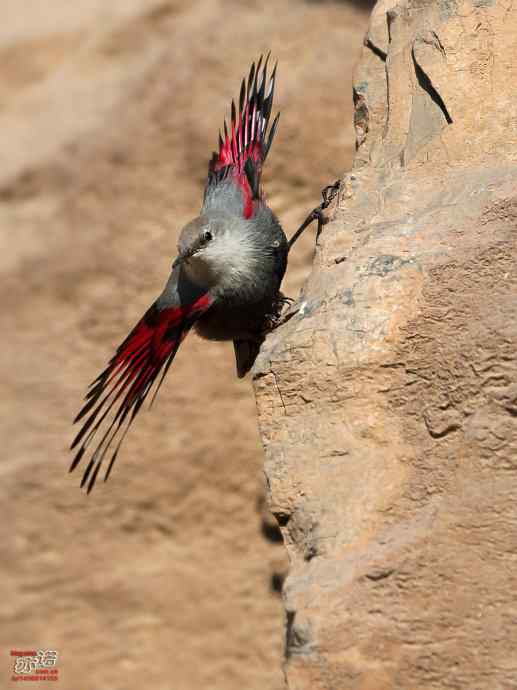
x,y
229,264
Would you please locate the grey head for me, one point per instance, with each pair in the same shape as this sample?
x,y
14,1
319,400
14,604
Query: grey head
x,y
228,255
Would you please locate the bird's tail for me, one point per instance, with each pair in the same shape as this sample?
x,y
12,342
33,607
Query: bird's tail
x,y
246,352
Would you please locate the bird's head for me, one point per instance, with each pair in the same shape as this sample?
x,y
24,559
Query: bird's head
x,y
217,251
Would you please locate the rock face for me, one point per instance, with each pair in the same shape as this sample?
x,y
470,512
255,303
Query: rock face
x,y
388,403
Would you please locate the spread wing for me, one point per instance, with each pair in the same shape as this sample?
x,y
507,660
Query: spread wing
x,y
117,394
244,147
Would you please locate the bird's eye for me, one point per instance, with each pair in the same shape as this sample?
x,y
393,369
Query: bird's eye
x,y
207,235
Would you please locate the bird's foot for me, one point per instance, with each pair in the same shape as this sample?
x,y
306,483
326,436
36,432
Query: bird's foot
x,y
284,302
285,309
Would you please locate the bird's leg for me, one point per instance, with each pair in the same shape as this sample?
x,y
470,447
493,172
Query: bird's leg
x,y
328,194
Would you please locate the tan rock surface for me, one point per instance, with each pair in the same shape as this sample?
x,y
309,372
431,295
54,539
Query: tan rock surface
x,y
388,403
108,114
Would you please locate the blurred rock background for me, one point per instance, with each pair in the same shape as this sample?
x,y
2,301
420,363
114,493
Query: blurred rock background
x,y
166,576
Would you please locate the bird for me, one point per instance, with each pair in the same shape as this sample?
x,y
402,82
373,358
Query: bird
x,y
224,283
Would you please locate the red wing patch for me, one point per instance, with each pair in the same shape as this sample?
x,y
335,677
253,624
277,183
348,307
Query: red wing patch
x,y
244,148
149,348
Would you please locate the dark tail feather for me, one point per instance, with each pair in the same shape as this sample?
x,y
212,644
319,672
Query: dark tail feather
x,y
246,352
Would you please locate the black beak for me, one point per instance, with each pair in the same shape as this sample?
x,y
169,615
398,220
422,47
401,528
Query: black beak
x,y
182,257
185,255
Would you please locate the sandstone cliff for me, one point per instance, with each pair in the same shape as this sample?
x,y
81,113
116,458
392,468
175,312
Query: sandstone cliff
x,y
388,403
